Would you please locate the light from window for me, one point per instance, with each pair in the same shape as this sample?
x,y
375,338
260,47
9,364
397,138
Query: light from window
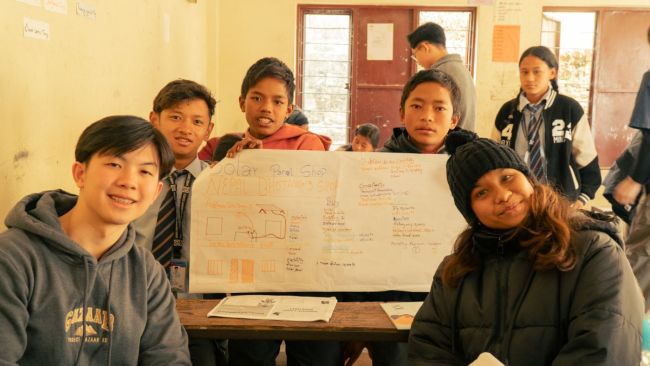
x,y
326,75
457,26
571,36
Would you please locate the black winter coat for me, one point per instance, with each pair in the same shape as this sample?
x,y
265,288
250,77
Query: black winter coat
x,y
590,315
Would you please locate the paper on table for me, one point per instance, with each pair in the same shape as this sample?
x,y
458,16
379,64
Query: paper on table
x,y
269,307
401,313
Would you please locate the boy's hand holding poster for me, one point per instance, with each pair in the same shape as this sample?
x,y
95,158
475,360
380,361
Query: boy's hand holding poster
x,y
272,220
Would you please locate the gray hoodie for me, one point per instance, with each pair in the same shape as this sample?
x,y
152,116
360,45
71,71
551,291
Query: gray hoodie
x,y
60,306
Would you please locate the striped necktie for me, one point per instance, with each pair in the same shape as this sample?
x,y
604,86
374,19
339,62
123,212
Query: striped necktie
x,y
163,240
535,161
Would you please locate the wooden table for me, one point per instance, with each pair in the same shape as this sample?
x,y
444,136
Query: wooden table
x,y
361,321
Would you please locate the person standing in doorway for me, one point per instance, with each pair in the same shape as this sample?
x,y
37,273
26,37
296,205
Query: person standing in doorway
x,y
429,49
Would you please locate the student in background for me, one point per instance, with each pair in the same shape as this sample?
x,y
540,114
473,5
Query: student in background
x,y
266,100
428,48
297,118
531,280
550,131
75,287
638,182
207,150
182,112
225,143
366,138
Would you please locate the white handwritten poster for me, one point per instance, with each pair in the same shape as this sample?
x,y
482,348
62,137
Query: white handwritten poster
x,y
86,10
508,12
272,220
36,29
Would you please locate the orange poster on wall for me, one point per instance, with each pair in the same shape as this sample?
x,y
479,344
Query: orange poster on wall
x,y
505,43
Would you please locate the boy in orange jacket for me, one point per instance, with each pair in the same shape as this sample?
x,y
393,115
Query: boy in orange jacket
x,y
267,99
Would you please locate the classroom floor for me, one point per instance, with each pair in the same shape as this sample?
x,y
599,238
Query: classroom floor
x,y
363,360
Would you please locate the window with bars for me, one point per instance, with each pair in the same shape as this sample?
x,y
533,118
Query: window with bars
x,y
571,35
324,91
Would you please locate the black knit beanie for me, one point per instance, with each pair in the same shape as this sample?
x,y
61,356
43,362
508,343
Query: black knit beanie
x,y
472,157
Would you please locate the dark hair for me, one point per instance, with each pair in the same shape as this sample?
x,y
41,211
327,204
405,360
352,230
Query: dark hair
x,y
181,90
369,131
546,55
297,118
429,32
225,143
546,233
269,67
432,76
118,135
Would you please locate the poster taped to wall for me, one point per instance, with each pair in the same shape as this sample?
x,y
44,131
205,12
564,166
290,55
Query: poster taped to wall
x,y
271,220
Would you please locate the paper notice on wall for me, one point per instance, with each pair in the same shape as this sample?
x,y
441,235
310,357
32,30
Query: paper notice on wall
x,y
380,42
505,43
508,11
86,10
56,6
30,2
36,29
273,220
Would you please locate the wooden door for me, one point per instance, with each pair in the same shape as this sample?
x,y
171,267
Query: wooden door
x,y
376,86
623,55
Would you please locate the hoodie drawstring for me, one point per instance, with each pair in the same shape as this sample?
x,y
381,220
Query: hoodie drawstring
x,y
108,312
83,312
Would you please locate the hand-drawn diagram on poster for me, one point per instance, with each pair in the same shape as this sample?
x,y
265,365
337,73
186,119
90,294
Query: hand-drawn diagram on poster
x,y
272,220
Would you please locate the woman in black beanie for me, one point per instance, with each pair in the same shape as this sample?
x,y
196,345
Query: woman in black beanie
x,y
531,281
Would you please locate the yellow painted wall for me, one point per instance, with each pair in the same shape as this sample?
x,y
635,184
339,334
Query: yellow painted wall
x,y
114,64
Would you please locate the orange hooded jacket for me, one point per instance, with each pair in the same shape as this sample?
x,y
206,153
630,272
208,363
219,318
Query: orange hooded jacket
x,y
290,137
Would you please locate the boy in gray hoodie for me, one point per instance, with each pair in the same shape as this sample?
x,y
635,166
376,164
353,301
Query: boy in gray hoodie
x,y
74,287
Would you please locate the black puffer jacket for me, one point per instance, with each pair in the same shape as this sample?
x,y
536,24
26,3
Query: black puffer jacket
x,y
590,315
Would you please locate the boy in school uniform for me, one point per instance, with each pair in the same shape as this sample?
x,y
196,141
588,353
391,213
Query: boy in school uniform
x,y
266,100
75,287
428,46
182,112
366,139
428,110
